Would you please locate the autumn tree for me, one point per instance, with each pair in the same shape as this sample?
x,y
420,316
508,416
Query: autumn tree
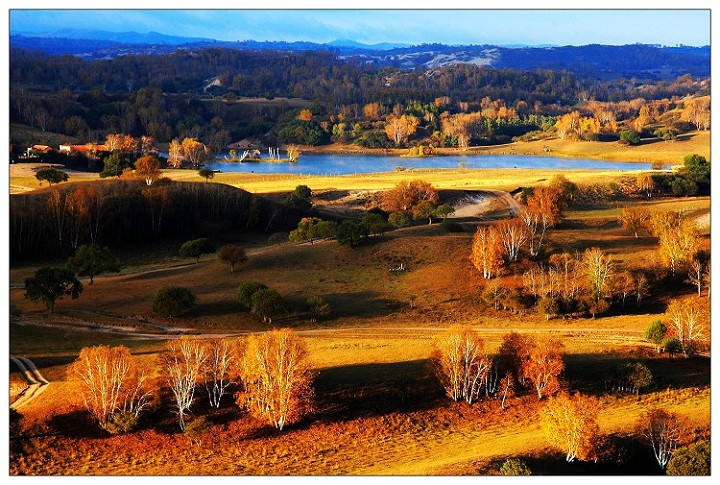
x,y
276,374
51,284
92,260
688,324
175,154
696,274
633,219
543,364
697,112
148,167
232,255
405,195
544,208
112,384
691,460
646,183
195,151
570,424
599,272
217,368
678,245
506,388
120,142
305,115
568,125
513,235
663,431
486,253
183,362
461,362
512,354
399,128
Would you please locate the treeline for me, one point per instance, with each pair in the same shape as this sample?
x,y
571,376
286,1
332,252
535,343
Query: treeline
x,y
160,96
55,221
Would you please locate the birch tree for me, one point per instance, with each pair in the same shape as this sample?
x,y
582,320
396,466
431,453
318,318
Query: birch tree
x,y
663,431
599,271
513,235
486,253
277,378
217,368
570,424
689,324
183,362
111,381
462,364
543,364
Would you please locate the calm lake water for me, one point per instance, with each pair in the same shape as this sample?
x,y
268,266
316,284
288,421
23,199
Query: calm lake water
x,y
342,164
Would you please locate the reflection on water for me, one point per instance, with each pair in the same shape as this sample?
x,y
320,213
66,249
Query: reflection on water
x,y
341,164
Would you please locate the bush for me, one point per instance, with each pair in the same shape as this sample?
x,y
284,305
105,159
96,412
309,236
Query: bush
x,y
352,233
655,332
630,136
514,467
268,304
246,290
172,301
400,219
672,346
121,422
317,307
692,460
196,248
451,226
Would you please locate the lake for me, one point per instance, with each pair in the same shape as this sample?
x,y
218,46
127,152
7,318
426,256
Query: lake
x,y
343,164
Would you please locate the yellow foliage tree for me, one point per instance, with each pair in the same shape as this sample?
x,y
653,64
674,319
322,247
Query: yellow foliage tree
x,y
399,128
276,374
487,251
570,424
111,381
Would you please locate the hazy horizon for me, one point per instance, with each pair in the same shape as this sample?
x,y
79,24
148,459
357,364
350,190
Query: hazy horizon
x,y
453,27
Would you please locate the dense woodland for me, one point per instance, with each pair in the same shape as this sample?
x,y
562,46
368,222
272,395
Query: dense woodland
x,y
195,94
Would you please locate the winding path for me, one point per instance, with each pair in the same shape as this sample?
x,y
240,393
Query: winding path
x,y
37,384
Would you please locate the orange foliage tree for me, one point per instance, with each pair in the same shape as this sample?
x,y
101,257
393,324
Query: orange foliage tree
x,y
405,195
148,167
399,128
461,362
111,382
544,210
232,255
664,431
486,253
543,364
633,219
570,423
195,151
276,374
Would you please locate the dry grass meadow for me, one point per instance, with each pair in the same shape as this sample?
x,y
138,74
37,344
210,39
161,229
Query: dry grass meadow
x,y
380,410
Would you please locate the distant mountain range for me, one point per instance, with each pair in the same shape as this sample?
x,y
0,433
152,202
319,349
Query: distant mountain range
x,y
604,61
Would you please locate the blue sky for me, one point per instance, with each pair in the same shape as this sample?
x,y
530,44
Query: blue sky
x,y
532,27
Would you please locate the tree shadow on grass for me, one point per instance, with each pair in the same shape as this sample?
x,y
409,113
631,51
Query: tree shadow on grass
x,y
619,455
587,372
76,424
366,390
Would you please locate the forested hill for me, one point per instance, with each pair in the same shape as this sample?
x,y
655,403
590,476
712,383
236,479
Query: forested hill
x,y
603,61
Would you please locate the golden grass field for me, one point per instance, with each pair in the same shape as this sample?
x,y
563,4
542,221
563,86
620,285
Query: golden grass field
x,y
379,409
